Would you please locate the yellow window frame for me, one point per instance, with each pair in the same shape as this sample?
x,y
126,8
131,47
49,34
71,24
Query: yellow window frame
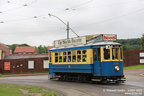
x,y
89,55
119,56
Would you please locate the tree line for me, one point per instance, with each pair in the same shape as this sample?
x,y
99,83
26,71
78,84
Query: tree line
x,y
128,44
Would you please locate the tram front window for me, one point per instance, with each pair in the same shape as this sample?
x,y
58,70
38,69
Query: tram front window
x,y
106,54
115,52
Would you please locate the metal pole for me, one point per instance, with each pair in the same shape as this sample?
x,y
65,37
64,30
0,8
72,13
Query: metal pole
x,y
67,30
63,23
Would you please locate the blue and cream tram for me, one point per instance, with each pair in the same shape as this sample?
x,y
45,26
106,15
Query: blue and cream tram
x,y
86,58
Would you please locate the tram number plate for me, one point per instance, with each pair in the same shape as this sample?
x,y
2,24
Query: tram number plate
x,y
116,63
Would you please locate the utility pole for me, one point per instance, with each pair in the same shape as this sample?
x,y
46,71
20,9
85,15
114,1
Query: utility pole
x,y
66,25
67,30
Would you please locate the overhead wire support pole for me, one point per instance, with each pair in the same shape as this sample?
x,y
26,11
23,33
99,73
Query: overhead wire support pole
x,y
63,23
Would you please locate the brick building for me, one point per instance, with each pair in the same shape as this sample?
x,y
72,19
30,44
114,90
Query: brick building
x,y
25,50
133,57
50,47
4,50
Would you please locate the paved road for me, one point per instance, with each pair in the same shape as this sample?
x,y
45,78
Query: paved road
x,y
134,85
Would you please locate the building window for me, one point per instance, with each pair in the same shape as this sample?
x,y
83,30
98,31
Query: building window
x,y
31,64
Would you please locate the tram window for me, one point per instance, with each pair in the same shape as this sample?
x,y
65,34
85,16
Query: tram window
x,y
99,56
64,56
84,51
115,53
95,57
60,56
74,52
56,57
74,58
56,54
60,53
106,53
78,52
79,58
84,58
121,53
69,58
50,55
64,53
69,53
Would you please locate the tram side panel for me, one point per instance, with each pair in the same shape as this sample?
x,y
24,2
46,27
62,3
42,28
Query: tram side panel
x,y
73,67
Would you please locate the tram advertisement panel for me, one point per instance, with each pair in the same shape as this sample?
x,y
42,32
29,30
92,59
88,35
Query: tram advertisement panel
x,y
69,42
7,66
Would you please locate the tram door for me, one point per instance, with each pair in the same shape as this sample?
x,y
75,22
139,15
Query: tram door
x,y
97,63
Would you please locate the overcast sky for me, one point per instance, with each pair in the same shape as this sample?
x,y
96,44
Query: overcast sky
x,y
27,21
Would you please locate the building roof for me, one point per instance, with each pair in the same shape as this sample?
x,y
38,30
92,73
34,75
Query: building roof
x,y
5,45
25,56
24,49
50,47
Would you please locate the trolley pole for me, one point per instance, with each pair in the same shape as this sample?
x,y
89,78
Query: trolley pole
x,y
67,30
66,25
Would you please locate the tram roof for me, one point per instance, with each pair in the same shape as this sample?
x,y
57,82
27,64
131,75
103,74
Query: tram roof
x,y
90,44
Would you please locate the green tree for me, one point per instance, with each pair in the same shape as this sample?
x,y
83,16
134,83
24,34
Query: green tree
x,y
13,46
24,44
142,41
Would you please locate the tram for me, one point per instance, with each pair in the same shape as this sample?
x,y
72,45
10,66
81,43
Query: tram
x,y
87,58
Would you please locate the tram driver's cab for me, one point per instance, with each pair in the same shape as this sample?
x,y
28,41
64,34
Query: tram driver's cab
x,y
108,60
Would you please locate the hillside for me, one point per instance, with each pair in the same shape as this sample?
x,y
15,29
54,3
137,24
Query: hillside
x,y
130,44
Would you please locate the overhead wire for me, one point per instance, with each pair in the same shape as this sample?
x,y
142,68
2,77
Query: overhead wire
x,y
72,7
104,5
111,18
59,11
113,4
20,6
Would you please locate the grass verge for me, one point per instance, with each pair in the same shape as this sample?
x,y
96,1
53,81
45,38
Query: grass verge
x,y
134,67
20,90
1,75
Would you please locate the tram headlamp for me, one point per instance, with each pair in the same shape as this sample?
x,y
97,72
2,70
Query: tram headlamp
x,y
117,68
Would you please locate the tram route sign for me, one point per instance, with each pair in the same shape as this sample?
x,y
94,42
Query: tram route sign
x,y
70,42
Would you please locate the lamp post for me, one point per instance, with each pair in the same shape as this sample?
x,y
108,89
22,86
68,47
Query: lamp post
x,y
66,25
